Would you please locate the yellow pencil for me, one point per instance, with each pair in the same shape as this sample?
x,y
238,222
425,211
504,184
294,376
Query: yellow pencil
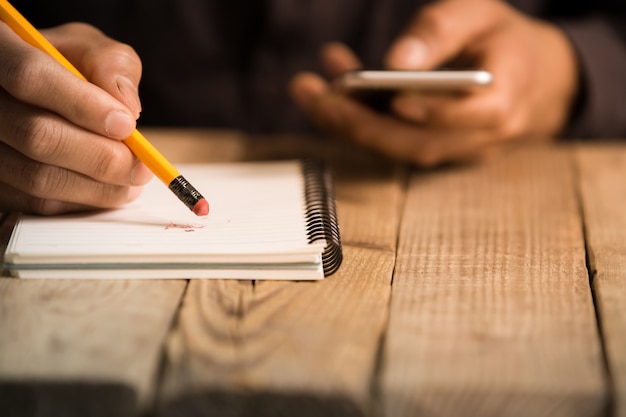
x,y
137,143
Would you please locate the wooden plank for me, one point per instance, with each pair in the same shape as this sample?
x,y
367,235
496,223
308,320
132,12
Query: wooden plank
x,y
294,348
491,311
197,145
602,173
99,338
77,348
81,347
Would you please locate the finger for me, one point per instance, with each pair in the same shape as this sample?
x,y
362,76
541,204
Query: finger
x,y
441,31
49,182
478,110
341,115
111,65
33,76
337,58
318,100
45,137
422,146
386,134
12,199
394,137
305,88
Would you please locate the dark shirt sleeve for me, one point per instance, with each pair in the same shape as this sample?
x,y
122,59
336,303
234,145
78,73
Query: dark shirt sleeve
x,y
600,44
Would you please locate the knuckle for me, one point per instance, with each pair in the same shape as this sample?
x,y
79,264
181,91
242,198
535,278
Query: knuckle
x,y
500,113
362,133
42,180
126,52
503,119
427,158
47,184
112,195
509,130
437,21
105,163
509,126
120,54
43,206
366,132
37,138
23,75
428,154
81,29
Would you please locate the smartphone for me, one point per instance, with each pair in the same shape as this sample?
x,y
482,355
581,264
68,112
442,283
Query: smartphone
x,y
376,88
440,80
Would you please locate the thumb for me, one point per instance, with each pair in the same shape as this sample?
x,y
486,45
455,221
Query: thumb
x,y
113,66
441,31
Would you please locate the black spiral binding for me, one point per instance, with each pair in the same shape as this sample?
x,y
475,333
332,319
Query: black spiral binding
x,y
321,214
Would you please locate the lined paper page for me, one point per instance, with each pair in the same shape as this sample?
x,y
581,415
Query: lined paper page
x,y
257,212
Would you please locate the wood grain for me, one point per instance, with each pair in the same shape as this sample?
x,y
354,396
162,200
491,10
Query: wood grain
x,y
81,347
491,311
602,174
294,348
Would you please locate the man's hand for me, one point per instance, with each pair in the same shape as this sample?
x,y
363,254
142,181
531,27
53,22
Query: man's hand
x,y
535,83
60,137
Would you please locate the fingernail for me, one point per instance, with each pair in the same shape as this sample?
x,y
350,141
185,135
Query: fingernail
x,y
119,124
409,53
130,94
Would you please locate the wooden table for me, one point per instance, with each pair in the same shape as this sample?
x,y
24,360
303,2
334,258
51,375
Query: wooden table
x,y
493,289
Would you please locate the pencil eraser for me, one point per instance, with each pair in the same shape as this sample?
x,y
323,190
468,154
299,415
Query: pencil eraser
x,y
201,208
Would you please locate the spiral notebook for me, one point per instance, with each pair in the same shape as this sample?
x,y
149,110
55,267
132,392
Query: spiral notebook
x,y
267,220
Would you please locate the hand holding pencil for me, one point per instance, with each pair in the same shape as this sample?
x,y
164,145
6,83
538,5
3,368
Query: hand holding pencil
x,y
65,142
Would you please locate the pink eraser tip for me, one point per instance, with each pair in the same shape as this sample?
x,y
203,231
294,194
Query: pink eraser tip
x,y
201,208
